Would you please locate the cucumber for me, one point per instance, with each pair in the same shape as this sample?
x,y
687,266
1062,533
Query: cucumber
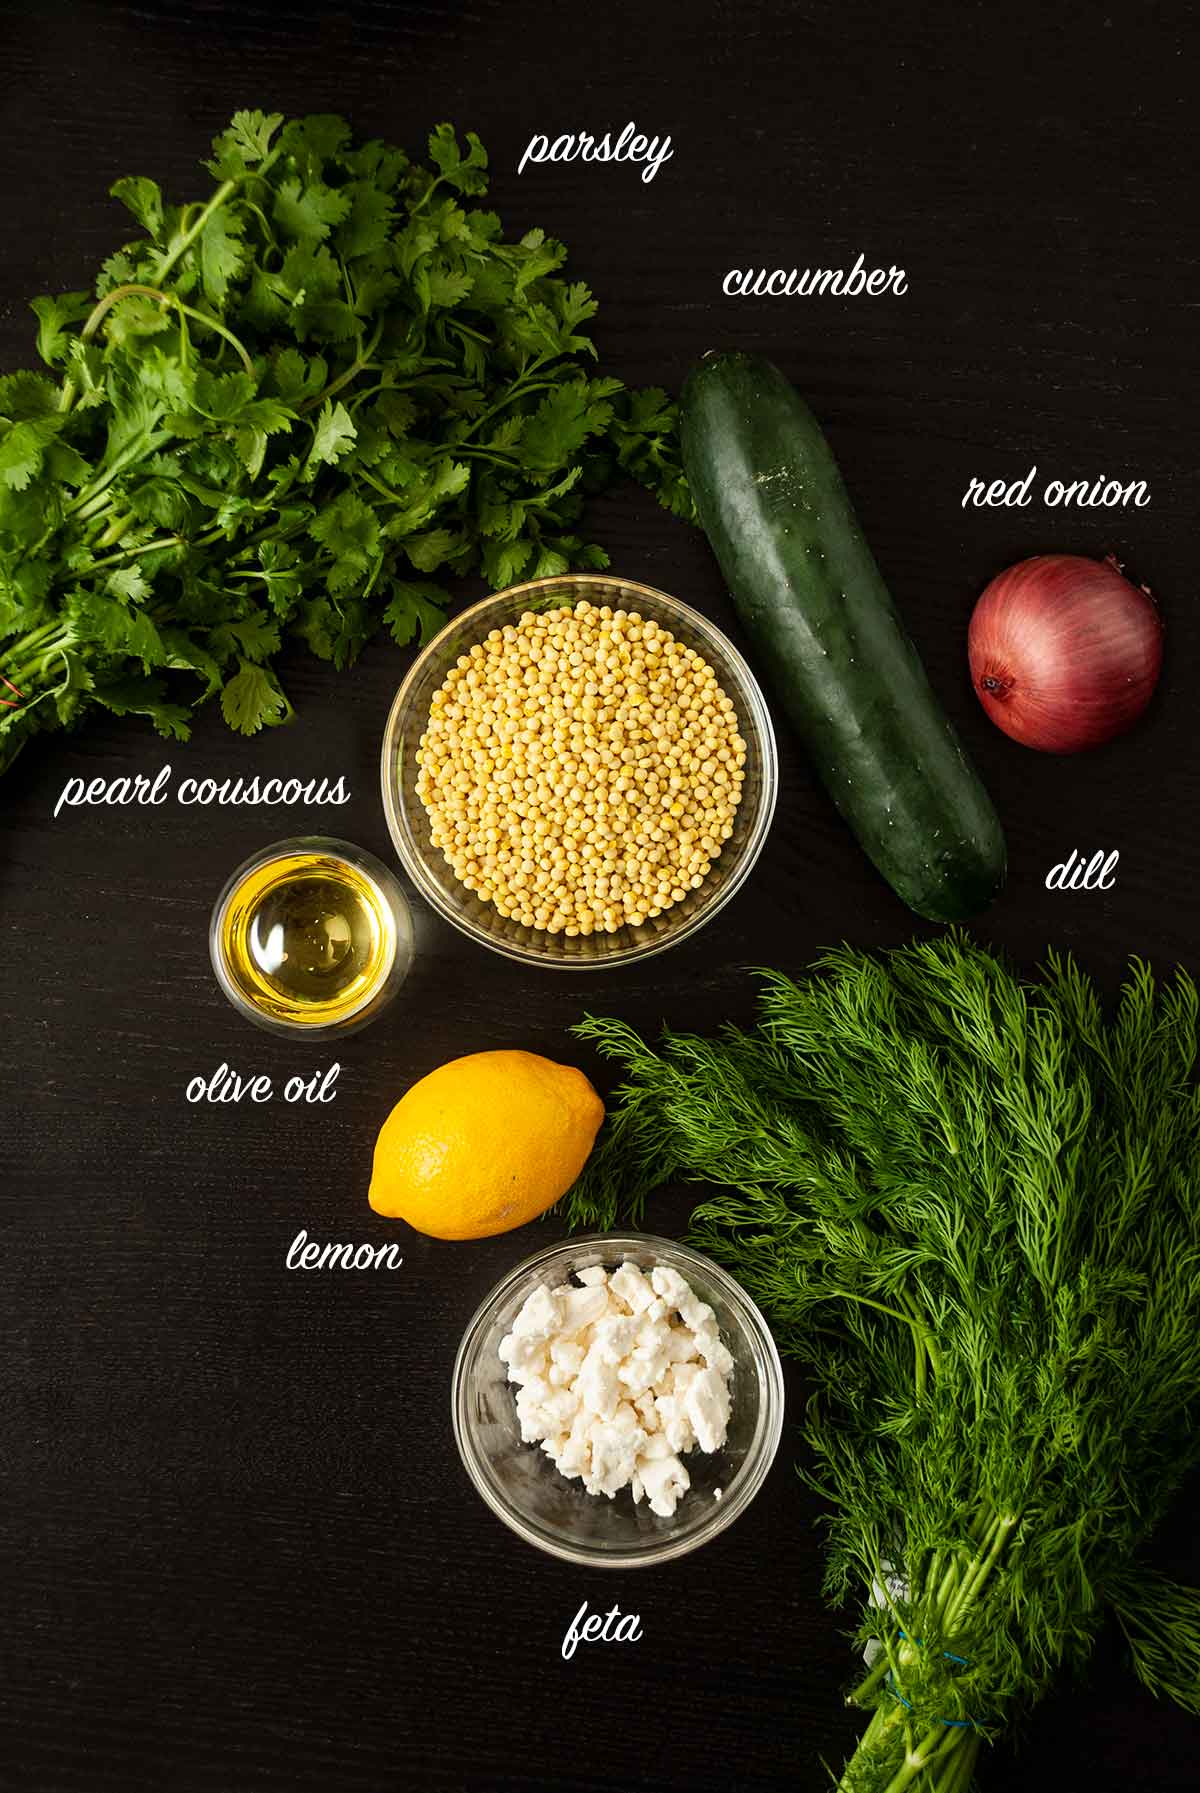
x,y
811,598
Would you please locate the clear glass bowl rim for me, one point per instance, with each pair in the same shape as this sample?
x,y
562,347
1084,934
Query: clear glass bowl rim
x,y
759,720
768,1429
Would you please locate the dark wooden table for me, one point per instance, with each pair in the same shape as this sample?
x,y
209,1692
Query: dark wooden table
x,y
237,1548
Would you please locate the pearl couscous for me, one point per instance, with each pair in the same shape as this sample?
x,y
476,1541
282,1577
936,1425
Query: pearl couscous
x,y
581,769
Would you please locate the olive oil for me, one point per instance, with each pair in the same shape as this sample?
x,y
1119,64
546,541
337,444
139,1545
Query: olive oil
x,y
305,937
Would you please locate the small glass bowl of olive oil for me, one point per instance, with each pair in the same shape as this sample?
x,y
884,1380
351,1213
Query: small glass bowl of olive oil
x,y
311,936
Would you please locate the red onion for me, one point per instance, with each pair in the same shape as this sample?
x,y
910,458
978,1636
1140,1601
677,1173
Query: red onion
x,y
1065,653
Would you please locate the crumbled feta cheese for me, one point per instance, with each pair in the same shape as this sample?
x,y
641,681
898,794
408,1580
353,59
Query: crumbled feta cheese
x,y
618,1377
681,1345
646,1411
674,1423
598,1384
706,1404
581,1307
566,1355
541,1316
630,1286
616,1450
714,1353
664,1482
694,1313
615,1336
525,1357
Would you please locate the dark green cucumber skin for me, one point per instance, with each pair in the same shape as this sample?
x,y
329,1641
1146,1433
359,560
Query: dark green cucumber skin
x,y
829,642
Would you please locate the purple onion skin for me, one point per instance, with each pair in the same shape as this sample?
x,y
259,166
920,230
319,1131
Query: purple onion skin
x,y
1065,652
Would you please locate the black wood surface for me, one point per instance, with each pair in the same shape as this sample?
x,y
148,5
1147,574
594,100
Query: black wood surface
x,y
236,1544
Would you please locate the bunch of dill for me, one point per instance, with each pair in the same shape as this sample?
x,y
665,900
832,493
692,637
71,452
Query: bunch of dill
x,y
972,1209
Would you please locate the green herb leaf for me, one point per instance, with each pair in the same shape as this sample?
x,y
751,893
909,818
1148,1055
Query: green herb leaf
x,y
308,212
55,317
143,199
252,700
417,608
222,255
333,433
22,446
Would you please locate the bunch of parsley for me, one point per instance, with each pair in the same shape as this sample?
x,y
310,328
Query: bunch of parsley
x,y
970,1206
282,409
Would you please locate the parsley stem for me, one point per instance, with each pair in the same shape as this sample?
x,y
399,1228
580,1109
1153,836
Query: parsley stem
x,y
428,194
369,587
202,317
28,655
88,502
361,362
384,491
223,192
521,387
166,541
156,292
112,532
509,462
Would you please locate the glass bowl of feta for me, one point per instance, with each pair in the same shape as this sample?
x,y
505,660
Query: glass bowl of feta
x,y
630,1365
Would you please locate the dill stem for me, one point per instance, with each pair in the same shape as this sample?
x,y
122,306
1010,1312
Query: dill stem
x,y
960,1767
907,1314
880,1725
949,1584
981,1567
869,1682
935,1745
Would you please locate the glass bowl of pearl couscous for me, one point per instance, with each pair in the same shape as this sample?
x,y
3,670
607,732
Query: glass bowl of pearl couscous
x,y
579,771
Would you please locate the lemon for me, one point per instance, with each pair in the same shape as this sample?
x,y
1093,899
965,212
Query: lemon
x,y
484,1144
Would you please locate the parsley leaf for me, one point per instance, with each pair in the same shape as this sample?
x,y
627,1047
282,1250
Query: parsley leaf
x,y
308,212
333,434
143,199
55,317
252,700
417,608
